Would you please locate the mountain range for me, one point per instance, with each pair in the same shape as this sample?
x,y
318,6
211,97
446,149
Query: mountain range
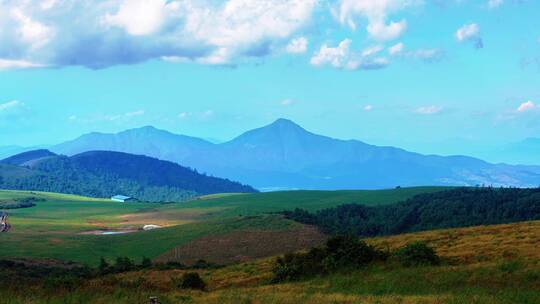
x,y
106,173
283,155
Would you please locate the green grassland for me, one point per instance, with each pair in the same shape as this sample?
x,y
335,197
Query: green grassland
x,y
257,203
52,229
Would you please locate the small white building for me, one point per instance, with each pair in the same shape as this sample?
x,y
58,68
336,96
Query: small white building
x,y
123,199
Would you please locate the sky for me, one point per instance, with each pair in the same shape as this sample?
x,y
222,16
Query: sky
x,y
433,76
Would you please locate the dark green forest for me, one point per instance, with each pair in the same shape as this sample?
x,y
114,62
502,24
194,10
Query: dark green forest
x,y
104,174
459,207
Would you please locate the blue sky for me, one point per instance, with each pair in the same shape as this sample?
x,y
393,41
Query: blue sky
x,y
439,76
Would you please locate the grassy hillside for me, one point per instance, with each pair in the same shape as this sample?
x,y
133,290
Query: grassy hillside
x,y
54,228
501,276
257,203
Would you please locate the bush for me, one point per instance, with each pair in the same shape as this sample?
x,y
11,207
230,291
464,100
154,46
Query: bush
x,y
417,254
66,282
124,264
146,263
192,280
340,252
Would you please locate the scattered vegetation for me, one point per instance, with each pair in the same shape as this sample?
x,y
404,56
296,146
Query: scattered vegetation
x,y
17,203
342,252
192,280
417,254
460,207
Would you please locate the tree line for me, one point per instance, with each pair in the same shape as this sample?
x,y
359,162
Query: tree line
x,y
459,207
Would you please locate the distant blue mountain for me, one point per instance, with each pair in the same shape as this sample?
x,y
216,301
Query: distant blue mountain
x,y
283,155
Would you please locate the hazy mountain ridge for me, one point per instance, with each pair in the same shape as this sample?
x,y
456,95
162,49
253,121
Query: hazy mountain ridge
x,y
284,155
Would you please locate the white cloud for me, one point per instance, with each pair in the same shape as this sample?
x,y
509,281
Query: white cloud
x,y
334,56
527,106
377,13
30,31
297,46
138,17
134,113
470,33
342,57
244,26
10,105
428,110
372,50
48,4
286,102
396,49
495,3
184,115
427,55
99,34
382,31
17,64
367,108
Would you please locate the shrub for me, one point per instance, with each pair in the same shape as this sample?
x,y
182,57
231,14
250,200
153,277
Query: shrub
x,y
124,264
66,282
339,253
417,254
146,263
192,280
103,267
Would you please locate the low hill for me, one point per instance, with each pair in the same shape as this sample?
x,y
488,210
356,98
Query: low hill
x,y
104,173
22,158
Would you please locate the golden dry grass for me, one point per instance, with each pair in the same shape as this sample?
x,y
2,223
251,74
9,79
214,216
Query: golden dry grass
x,y
475,244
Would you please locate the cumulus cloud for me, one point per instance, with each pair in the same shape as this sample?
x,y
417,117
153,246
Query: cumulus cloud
x,y
527,107
428,110
376,12
139,17
470,33
342,57
99,34
297,46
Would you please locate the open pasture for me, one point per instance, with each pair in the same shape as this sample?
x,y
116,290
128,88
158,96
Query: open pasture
x,y
53,228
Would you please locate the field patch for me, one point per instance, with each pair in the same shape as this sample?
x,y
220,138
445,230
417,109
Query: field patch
x,y
242,246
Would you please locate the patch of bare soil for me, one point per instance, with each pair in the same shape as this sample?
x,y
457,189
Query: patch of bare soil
x,y
242,246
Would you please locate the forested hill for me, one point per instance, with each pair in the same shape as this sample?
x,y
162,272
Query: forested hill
x,y
460,207
104,173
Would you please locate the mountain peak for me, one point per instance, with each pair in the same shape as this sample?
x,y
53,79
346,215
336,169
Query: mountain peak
x,y
283,122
